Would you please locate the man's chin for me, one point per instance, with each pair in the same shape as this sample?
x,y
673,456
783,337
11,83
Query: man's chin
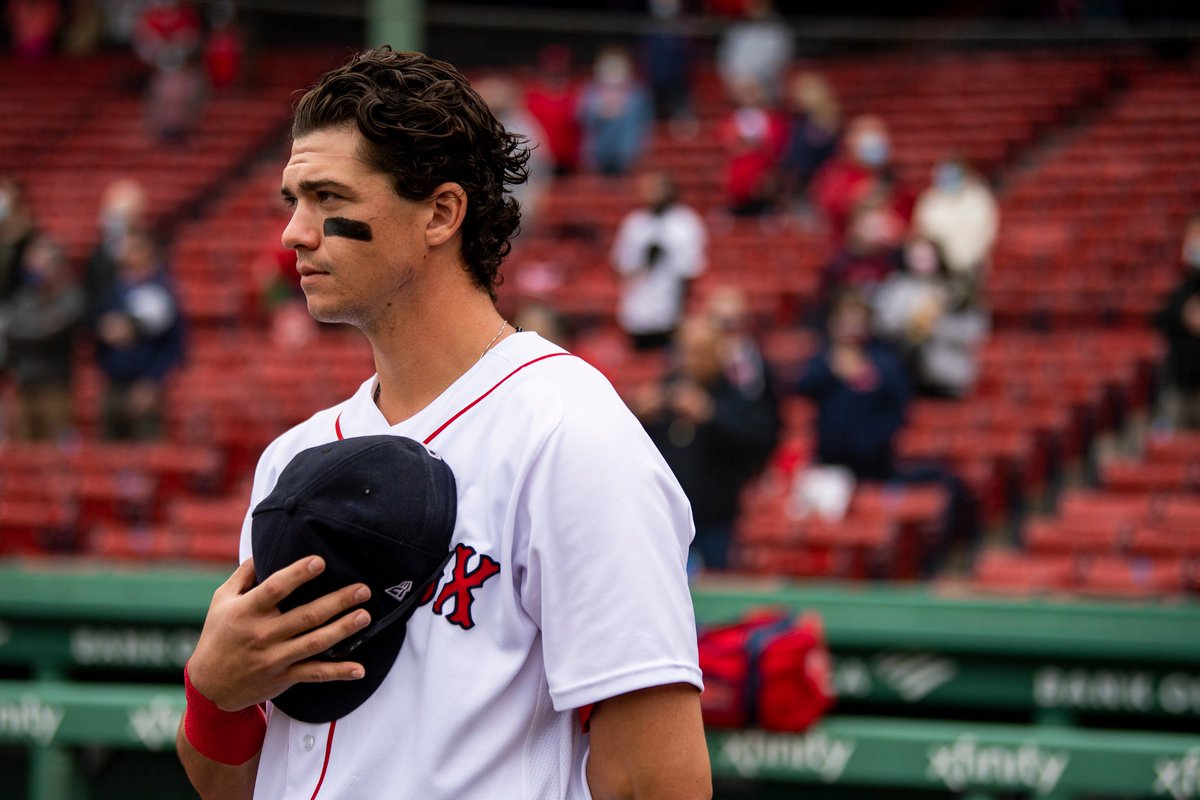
x,y
328,313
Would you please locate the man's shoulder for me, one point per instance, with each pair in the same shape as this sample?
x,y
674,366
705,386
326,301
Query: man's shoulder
x,y
546,371
557,387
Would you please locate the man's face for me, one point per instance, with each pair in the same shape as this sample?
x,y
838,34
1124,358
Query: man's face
x,y
356,240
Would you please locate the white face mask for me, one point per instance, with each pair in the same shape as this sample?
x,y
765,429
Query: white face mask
x,y
1191,253
613,70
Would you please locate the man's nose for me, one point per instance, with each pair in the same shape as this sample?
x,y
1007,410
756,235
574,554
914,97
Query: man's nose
x,y
302,231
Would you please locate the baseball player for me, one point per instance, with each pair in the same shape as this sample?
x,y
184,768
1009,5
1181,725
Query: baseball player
x,y
555,654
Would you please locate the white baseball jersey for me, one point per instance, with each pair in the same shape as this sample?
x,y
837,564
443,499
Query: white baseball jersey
x,y
568,586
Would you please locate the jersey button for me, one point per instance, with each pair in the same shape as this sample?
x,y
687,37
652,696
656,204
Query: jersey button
x,y
308,741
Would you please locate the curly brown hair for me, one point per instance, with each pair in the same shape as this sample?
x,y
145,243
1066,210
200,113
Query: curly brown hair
x,y
423,124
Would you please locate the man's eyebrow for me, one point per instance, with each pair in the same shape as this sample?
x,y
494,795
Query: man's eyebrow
x,y
322,184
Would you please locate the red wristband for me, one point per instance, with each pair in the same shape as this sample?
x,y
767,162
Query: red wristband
x,y
227,737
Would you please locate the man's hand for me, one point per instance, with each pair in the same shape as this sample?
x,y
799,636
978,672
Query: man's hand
x,y
249,651
692,401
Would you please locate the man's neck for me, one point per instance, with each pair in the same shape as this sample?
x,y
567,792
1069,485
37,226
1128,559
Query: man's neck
x,y
429,344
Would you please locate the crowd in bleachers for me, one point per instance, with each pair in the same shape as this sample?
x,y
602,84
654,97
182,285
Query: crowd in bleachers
x,y
859,357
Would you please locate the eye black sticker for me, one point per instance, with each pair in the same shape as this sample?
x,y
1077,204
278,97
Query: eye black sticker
x,y
348,229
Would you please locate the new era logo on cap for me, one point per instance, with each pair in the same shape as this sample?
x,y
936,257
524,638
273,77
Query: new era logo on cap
x,y
400,590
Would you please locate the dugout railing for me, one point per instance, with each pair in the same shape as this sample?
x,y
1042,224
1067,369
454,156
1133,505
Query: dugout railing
x,y
938,695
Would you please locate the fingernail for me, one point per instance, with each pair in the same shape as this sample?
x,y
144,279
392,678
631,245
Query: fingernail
x,y
356,673
362,594
314,565
361,618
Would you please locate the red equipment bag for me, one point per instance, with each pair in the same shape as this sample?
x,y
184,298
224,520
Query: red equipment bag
x,y
766,670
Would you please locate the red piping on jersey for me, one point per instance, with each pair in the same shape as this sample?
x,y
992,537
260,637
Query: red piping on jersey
x,y
337,423
325,766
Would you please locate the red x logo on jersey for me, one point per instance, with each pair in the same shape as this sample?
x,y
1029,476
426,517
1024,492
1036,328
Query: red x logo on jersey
x,y
462,585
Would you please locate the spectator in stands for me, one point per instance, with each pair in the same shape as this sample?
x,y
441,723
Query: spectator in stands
x,y
139,341
667,56
1179,322
84,31
616,114
757,48
224,51
506,100
280,297
869,256
17,231
553,100
958,212
174,102
168,37
33,26
714,437
862,396
167,32
861,393
122,212
934,328
754,136
659,248
46,314
814,128
861,173
121,19
727,309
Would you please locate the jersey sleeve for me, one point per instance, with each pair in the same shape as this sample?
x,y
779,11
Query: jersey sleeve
x,y
607,530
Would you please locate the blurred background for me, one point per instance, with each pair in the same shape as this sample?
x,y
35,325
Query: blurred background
x,y
908,295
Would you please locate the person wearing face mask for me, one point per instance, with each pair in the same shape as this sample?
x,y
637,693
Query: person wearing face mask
x,y
139,341
46,313
17,231
870,253
861,173
122,211
615,113
1179,322
758,47
754,136
658,250
937,332
861,393
958,212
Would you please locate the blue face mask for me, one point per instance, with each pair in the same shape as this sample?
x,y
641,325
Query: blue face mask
x,y
872,150
948,177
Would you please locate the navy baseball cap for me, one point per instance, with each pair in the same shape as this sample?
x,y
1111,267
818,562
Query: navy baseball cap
x,y
380,510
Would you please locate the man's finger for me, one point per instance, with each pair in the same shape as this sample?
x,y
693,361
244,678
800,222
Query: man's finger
x,y
315,614
320,640
322,671
240,581
283,582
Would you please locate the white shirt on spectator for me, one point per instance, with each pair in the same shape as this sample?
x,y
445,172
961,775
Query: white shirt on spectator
x,y
963,223
652,294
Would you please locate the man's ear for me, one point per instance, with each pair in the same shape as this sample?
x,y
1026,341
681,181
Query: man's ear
x,y
449,204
